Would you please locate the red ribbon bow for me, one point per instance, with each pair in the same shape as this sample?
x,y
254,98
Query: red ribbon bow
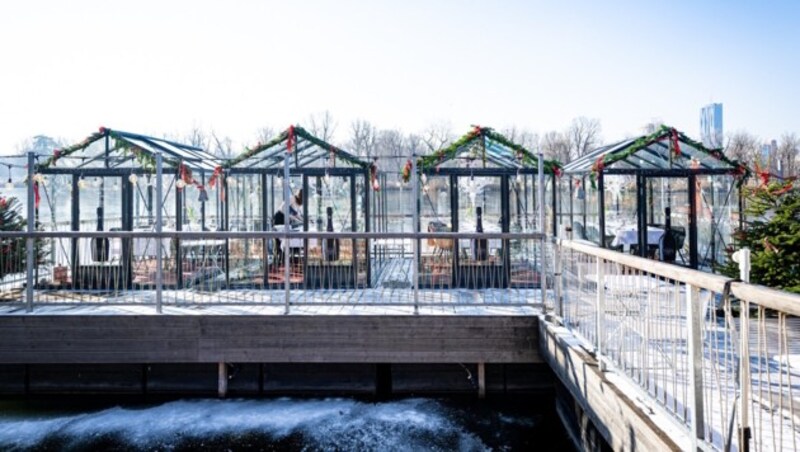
x,y
676,147
291,140
214,176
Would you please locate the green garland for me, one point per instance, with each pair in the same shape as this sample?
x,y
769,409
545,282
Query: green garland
x,y
58,153
527,158
298,132
144,158
740,171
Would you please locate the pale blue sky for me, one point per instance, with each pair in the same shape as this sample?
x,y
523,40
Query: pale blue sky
x,y
68,67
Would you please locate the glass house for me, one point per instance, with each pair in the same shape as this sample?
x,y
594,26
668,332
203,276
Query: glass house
x,y
637,190
107,183
329,191
482,182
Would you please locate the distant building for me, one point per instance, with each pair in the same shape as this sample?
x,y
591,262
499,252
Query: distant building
x,y
770,159
711,126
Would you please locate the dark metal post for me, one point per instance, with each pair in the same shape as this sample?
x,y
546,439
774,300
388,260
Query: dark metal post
x,y
693,261
505,223
178,227
601,208
76,226
367,228
264,227
127,225
641,213
454,219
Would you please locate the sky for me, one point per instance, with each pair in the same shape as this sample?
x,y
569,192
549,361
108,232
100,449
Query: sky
x,y
164,67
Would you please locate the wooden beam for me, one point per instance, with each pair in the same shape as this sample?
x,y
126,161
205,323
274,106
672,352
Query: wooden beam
x,y
622,423
263,339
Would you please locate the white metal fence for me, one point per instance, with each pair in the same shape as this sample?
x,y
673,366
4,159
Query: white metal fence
x,y
719,356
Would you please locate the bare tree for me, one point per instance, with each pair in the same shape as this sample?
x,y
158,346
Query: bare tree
x,y
414,144
584,135
556,145
437,136
788,149
362,137
197,137
524,137
265,134
223,147
743,146
322,125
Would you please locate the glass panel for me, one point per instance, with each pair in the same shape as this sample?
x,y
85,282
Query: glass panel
x,y
436,262
480,260
246,257
591,219
54,214
717,216
672,193
100,259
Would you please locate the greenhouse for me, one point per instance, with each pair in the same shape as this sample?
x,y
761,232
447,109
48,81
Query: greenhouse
x,y
482,183
107,182
328,191
662,196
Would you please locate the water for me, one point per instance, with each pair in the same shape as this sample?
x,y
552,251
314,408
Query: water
x,y
281,424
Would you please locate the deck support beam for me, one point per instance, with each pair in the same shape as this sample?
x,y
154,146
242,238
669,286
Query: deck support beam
x,y
481,380
222,380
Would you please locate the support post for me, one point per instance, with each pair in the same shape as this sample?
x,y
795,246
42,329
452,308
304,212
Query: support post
x,y
600,323
222,380
416,228
286,225
540,204
159,231
559,269
694,320
481,381
742,257
29,259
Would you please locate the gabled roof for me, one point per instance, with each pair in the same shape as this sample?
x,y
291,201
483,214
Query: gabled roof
x,y
664,149
490,148
130,150
307,150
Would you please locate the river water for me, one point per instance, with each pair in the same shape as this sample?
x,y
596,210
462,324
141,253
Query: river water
x,y
281,424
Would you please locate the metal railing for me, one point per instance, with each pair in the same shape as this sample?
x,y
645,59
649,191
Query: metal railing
x,y
720,357
287,269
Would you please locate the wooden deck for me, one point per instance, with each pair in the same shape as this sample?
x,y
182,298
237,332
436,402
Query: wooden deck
x,y
102,338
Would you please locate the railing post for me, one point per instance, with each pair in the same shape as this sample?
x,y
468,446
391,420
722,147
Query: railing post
x,y
540,203
694,324
415,228
159,230
29,259
742,257
559,269
600,327
286,225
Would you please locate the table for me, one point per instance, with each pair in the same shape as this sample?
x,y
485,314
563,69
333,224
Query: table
x,y
629,235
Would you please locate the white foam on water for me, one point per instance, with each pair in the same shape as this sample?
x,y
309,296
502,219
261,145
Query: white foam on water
x,y
340,424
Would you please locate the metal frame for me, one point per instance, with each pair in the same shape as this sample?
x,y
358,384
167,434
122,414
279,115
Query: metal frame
x,y
303,162
582,166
